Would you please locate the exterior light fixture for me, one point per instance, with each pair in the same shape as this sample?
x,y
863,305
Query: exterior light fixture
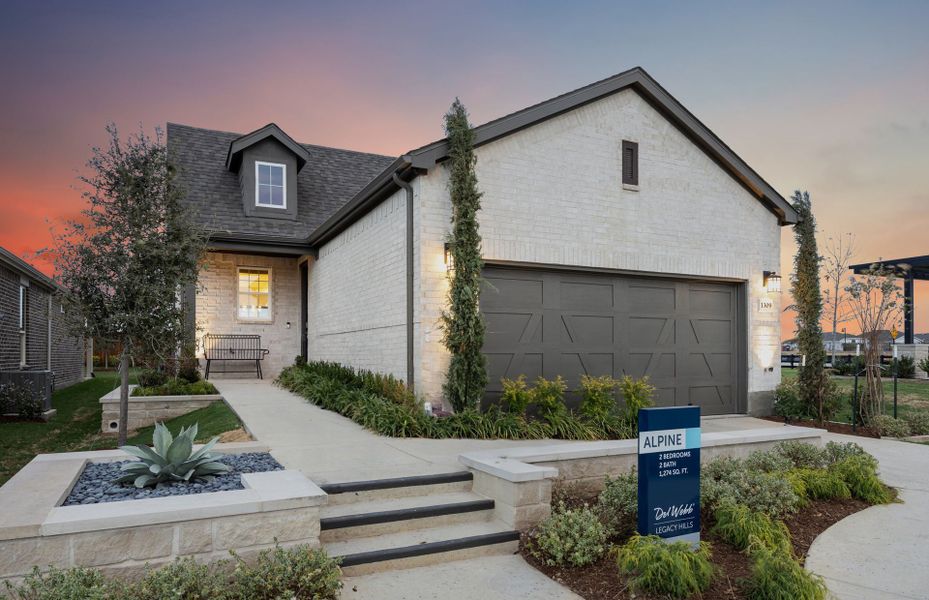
x,y
772,281
449,259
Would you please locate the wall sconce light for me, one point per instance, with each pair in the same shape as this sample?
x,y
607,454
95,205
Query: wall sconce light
x,y
449,259
772,281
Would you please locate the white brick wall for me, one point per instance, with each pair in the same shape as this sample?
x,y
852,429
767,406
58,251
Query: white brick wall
x,y
357,293
553,194
217,302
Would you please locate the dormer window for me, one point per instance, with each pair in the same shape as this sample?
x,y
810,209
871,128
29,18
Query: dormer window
x,y
270,184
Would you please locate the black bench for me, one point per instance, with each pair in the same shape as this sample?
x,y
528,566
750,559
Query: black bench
x,y
228,346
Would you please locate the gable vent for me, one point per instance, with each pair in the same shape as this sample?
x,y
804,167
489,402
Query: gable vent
x,y
630,163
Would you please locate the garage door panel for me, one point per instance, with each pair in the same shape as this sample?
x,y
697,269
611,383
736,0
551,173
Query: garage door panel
x,y
586,330
683,335
651,298
586,295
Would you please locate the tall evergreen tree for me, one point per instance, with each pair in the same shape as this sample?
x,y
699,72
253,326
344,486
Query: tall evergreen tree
x,y
462,323
813,379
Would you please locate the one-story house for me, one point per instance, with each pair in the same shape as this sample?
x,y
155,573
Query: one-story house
x,y
33,329
620,236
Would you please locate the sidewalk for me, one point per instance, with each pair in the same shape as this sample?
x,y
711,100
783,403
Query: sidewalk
x,y
881,553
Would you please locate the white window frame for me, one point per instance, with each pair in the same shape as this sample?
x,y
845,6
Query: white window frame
x,y
270,316
259,163
23,324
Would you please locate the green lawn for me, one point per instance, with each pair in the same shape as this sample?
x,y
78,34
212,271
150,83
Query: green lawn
x,y
76,427
912,394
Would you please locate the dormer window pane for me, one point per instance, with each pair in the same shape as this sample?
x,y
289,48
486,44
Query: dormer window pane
x,y
270,185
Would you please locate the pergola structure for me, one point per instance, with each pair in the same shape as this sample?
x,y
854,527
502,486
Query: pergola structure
x,y
909,270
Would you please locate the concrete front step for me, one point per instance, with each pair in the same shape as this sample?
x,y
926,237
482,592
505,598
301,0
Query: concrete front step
x,y
378,517
406,549
398,487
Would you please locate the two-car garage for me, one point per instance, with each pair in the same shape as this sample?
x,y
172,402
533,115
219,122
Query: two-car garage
x,y
686,335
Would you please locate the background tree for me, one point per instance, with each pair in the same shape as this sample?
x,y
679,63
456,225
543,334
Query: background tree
x,y
462,323
876,303
124,263
837,257
813,381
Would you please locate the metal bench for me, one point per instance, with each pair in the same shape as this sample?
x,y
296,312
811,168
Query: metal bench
x,y
228,346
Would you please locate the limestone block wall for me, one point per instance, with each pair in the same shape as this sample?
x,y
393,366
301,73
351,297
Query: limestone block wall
x,y
357,293
147,410
217,312
553,194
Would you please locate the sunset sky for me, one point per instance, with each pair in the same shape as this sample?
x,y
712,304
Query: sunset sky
x,y
832,97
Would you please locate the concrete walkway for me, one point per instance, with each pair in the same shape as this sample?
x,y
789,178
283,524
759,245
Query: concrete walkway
x,y
329,448
881,553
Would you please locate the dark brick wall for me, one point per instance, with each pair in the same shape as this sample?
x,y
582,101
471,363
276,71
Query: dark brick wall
x,y
9,314
67,351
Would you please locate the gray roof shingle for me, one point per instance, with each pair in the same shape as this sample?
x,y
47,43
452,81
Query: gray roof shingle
x,y
330,178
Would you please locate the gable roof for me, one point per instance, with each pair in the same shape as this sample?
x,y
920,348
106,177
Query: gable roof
x,y
271,130
21,267
330,178
426,157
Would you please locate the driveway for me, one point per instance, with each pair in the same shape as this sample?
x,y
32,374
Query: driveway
x,y
881,553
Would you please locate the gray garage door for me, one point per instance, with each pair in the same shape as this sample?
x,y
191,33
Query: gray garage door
x,y
683,334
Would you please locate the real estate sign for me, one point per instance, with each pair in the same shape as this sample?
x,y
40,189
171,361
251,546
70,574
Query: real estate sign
x,y
669,473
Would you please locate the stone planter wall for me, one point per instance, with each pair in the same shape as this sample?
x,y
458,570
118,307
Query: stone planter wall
x,y
147,410
122,537
520,478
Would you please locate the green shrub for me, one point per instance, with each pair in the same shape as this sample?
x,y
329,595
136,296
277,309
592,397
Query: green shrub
x,y
674,570
152,378
636,393
728,481
787,401
569,537
739,525
63,584
597,400
918,420
850,365
298,572
184,579
177,387
618,504
888,426
905,367
836,452
924,365
515,398
19,399
189,372
819,484
548,396
776,575
802,455
860,474
768,462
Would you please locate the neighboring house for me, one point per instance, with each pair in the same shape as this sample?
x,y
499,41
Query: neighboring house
x,y
840,341
33,334
620,236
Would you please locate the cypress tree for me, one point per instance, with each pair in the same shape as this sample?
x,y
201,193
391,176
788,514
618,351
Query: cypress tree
x,y
462,323
813,380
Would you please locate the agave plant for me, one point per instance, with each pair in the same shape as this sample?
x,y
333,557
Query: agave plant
x,y
171,459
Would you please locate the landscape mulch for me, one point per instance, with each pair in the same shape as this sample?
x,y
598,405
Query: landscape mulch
x,y
830,426
602,581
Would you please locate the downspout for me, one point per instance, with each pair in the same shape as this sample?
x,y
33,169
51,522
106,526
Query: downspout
x,y
48,359
409,278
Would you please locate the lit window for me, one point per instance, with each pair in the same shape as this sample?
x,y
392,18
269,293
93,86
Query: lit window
x,y
255,294
270,185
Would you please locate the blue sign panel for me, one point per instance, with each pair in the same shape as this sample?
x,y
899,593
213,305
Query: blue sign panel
x,y
669,473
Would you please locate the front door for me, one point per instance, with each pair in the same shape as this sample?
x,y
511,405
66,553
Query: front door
x,y
304,307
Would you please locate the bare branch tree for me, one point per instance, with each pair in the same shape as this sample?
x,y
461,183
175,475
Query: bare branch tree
x,y
875,302
837,257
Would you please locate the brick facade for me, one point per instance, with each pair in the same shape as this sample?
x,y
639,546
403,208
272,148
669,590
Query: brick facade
x,y
217,301
553,194
66,359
